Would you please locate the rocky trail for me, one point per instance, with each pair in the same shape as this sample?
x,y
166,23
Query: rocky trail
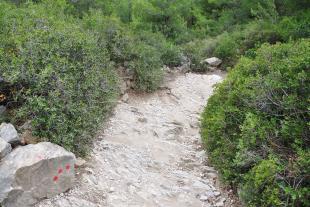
x,y
150,154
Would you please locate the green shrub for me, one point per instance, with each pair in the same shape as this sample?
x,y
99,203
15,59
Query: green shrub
x,y
147,67
256,126
295,27
197,51
170,54
66,83
227,47
171,18
145,51
261,180
113,35
230,46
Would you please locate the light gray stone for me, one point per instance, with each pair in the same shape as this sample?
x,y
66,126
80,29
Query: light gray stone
x,y
5,148
204,198
214,61
80,162
217,194
33,172
9,134
125,98
123,87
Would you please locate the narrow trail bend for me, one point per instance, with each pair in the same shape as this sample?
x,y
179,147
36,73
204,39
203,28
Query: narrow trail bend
x,y
149,153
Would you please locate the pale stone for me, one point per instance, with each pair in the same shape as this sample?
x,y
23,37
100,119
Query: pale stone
x,y
214,61
33,172
9,134
5,148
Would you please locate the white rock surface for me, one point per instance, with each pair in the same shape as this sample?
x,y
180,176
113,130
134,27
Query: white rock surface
x,y
214,61
33,172
9,134
125,98
5,148
153,163
80,162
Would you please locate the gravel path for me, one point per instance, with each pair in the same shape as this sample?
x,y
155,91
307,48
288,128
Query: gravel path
x,y
149,154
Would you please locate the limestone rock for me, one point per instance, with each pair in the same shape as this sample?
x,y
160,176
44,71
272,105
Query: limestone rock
x,y
221,202
214,61
80,162
5,148
123,87
9,134
204,198
33,172
125,98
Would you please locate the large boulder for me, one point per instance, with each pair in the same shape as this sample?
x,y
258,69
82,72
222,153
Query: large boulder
x,y
5,148
9,134
214,61
33,172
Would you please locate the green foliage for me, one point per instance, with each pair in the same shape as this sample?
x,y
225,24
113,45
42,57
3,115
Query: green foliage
x,y
64,79
113,35
231,46
170,54
145,51
256,126
146,64
227,47
60,68
261,180
243,39
196,51
295,27
172,18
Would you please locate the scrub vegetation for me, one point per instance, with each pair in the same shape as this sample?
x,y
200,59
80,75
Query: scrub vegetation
x,y
60,60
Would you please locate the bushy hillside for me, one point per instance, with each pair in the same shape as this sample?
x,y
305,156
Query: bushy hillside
x,y
256,126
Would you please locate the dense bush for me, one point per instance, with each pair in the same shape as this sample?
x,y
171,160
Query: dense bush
x,y
146,52
198,50
147,67
295,27
63,79
256,126
60,69
170,54
244,39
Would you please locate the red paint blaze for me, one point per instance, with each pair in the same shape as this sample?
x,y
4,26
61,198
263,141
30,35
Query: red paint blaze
x,y
55,178
76,166
60,170
68,167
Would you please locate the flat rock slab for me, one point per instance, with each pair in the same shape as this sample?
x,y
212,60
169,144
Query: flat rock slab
x,y
33,172
5,148
9,134
214,61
